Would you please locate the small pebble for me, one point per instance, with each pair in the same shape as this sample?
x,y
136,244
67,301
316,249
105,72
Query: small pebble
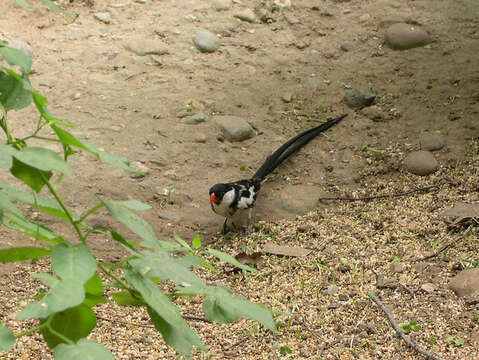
x,y
103,17
403,36
205,41
431,142
246,15
421,163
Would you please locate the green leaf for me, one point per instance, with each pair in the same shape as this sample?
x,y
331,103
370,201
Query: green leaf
x,y
119,162
7,205
223,306
6,153
84,349
43,159
285,349
197,242
73,262
74,323
41,104
32,229
41,203
182,242
68,139
161,264
29,175
75,266
172,335
22,253
63,294
7,339
125,298
94,291
23,3
13,94
134,205
165,309
16,56
133,222
230,259
54,7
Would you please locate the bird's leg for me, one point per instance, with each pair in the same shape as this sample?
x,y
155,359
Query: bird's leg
x,y
249,221
224,230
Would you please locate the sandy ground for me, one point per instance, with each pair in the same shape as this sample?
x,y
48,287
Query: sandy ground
x,y
128,104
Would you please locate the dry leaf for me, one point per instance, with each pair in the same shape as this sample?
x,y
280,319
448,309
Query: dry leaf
x,y
385,283
462,211
272,248
255,260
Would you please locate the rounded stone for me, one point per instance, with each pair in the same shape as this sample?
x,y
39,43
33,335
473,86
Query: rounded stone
x,y
466,283
421,163
234,128
298,199
431,142
358,99
402,36
205,41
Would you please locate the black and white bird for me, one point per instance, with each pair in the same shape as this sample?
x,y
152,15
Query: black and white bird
x,y
227,198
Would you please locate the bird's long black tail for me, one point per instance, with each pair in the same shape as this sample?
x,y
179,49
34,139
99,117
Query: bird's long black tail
x,y
291,146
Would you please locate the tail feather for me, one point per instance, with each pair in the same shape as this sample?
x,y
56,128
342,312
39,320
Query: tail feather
x,y
291,146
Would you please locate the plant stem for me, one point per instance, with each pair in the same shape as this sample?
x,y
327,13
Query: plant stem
x,y
89,212
113,276
64,207
31,330
57,334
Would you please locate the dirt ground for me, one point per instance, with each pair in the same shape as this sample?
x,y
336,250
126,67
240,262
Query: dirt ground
x,y
279,77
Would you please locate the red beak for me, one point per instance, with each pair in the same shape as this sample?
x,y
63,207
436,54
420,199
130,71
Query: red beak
x,y
214,199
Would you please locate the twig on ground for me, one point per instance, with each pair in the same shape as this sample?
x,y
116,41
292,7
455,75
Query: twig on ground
x,y
239,342
186,317
383,196
195,318
396,327
455,241
408,290
326,346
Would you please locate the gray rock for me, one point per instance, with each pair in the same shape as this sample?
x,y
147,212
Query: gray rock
x,y
290,18
364,18
142,47
195,118
200,137
316,82
185,112
397,267
403,36
234,128
170,216
373,112
346,47
141,167
429,287
221,5
358,99
20,45
331,289
287,97
431,142
246,15
466,283
103,17
421,163
205,41
388,21
297,199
